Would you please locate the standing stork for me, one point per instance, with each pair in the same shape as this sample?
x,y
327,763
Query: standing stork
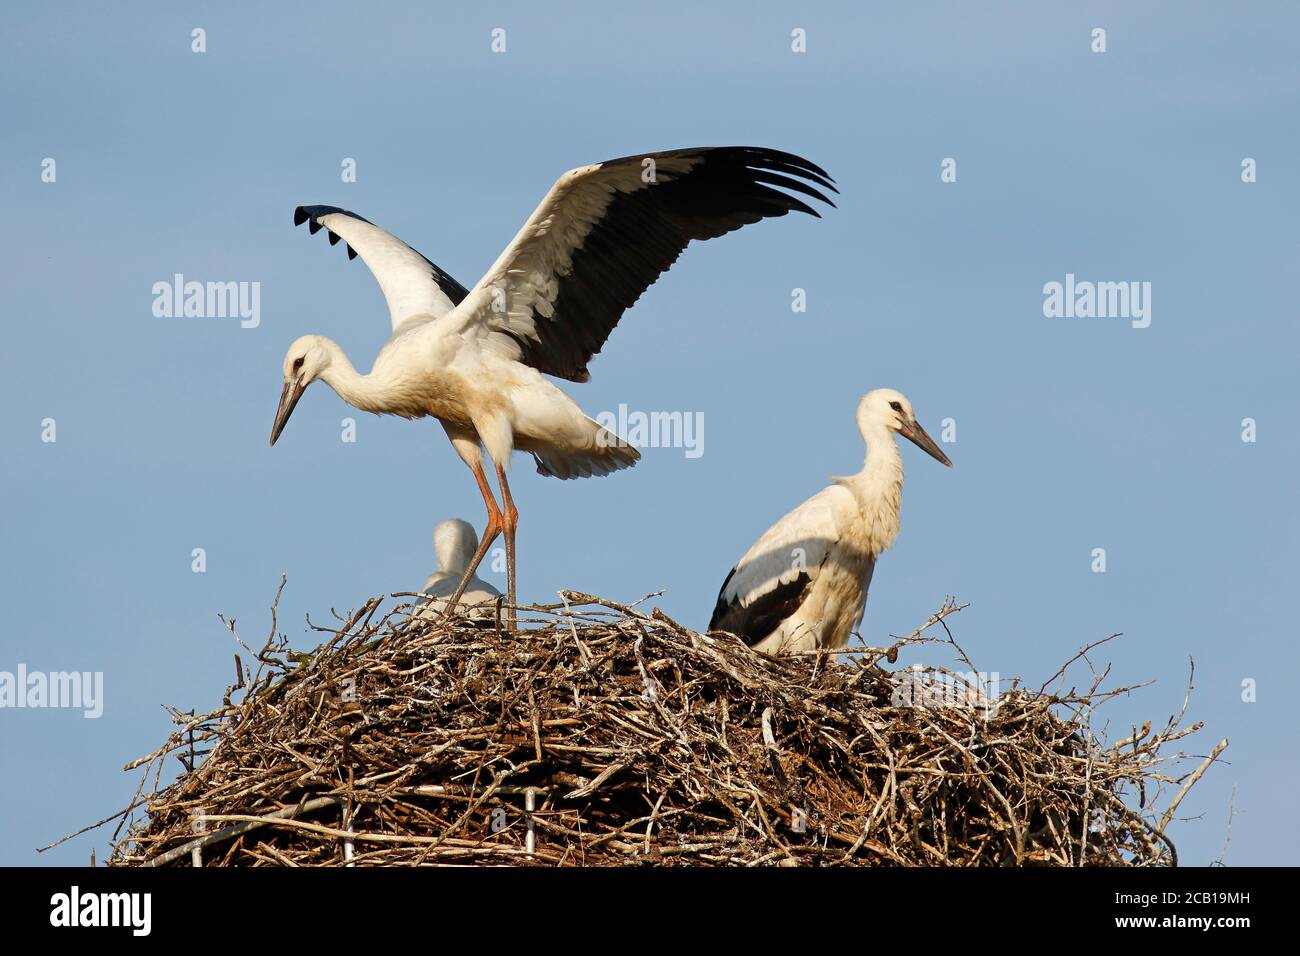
x,y
803,585
475,359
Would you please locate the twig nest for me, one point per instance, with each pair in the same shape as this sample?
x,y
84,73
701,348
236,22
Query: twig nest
x,y
600,735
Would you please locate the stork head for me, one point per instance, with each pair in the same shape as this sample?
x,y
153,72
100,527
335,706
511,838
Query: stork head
x,y
889,409
454,544
306,359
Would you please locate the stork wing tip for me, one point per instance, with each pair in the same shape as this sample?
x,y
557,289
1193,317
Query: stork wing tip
x,y
312,216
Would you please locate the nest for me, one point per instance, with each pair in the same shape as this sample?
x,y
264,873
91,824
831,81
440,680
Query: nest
x,y
594,733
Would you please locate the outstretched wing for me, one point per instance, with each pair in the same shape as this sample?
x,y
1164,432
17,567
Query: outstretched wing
x,y
776,575
605,233
414,287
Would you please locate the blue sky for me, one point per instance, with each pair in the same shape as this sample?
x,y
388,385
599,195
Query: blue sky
x,y
1072,434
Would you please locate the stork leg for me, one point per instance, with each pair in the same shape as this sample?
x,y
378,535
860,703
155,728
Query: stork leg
x,y
510,522
490,532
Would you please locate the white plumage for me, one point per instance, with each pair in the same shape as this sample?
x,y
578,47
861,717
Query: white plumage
x,y
454,544
475,360
803,585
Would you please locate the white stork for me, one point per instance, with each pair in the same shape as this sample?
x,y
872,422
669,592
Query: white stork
x,y
454,544
803,585
475,360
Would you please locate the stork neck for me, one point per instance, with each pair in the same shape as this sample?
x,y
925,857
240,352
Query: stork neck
x,y
882,466
360,391
453,561
453,548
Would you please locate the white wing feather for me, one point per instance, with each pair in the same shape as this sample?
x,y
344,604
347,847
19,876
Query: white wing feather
x,y
605,232
415,289
522,285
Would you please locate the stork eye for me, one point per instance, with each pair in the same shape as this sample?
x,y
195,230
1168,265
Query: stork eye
x,y
297,363
895,406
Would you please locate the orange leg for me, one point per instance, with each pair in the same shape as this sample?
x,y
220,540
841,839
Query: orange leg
x,y
490,532
510,522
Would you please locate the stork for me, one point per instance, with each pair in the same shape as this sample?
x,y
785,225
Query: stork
x,y
475,359
803,585
454,543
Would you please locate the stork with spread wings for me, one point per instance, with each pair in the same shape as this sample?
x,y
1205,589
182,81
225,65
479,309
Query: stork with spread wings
x,y
475,359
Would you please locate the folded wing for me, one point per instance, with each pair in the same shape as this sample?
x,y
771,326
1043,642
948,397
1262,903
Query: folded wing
x,y
775,576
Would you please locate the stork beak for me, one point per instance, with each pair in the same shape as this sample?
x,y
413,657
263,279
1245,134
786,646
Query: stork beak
x,y
288,399
914,433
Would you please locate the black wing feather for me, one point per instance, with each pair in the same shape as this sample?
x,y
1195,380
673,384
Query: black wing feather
x,y
755,621
642,232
